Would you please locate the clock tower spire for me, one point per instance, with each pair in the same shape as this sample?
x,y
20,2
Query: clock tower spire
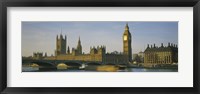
x,y
127,50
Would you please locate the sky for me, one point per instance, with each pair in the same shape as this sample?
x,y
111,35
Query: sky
x,y
41,36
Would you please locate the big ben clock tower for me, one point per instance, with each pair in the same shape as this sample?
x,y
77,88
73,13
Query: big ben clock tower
x,y
127,43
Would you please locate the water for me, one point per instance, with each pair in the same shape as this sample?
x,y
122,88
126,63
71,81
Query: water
x,y
151,70
36,69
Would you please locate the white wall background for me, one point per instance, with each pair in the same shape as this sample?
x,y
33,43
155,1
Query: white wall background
x,y
182,78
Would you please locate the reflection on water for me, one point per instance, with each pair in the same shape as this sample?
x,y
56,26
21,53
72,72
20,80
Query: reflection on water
x,y
36,69
29,69
151,70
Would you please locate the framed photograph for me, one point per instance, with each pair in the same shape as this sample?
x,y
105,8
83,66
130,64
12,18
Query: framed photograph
x,y
74,46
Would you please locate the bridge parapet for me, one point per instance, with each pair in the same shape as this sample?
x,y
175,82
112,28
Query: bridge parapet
x,y
71,62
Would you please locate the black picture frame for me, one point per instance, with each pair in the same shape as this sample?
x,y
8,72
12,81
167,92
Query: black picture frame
x,y
99,3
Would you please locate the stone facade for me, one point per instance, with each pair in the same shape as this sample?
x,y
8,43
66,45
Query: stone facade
x,y
61,45
37,55
127,49
161,55
97,54
138,58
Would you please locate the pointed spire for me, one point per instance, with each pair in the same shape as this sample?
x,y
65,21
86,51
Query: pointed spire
x,y
68,50
61,37
79,47
126,24
79,41
126,27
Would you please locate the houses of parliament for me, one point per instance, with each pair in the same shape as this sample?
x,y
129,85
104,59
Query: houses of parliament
x,y
96,54
152,55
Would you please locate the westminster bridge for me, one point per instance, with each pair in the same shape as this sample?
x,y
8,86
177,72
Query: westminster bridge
x,y
52,64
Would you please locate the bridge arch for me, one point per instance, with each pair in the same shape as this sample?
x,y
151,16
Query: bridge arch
x,y
44,64
62,66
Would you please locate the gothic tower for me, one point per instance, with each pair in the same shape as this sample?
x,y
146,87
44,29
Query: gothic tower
x,y
68,50
79,47
127,43
60,45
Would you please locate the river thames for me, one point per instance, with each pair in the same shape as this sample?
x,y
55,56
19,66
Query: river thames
x,y
36,69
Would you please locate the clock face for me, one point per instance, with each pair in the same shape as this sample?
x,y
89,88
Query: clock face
x,y
125,37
